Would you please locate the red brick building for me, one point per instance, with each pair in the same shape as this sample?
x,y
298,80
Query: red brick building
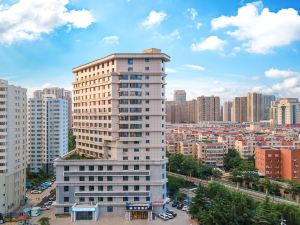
x,y
278,162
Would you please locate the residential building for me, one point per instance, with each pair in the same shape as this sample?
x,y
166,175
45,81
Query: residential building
x,y
286,111
179,96
58,93
176,112
266,105
254,107
211,154
47,136
239,109
278,162
207,108
227,108
119,121
13,118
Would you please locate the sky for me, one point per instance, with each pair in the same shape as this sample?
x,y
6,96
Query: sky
x,y
217,47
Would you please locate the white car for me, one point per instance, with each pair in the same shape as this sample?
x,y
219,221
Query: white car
x,y
185,208
36,192
163,216
45,207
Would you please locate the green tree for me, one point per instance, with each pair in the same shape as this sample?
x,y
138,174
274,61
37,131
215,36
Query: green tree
x,y
174,183
44,221
232,160
71,141
266,214
295,189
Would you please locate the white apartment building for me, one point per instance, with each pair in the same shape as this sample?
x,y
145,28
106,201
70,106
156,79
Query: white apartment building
x,y
12,146
58,93
211,154
285,111
47,136
119,120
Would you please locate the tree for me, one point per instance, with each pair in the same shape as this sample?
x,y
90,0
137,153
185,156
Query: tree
x,y
232,160
71,141
295,189
44,221
174,183
266,214
216,173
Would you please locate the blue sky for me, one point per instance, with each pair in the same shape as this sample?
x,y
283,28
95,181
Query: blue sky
x,y
220,47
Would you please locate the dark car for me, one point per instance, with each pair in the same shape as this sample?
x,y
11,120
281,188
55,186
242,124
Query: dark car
x,y
174,214
180,206
174,204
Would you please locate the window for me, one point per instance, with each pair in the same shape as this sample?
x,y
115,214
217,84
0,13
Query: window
x,y
147,199
109,188
91,188
147,77
136,199
125,167
109,168
136,188
136,150
147,157
100,188
130,69
125,199
130,61
66,199
109,178
110,209
66,178
100,178
91,168
66,188
100,199
147,187
91,178
125,188
81,199
147,68
109,199
136,178
147,178
66,209
91,199
81,188
66,168
100,168
147,167
147,60
81,168
125,178
136,167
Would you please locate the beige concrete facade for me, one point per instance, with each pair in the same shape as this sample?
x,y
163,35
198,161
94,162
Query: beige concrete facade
x,y
239,109
285,111
254,107
13,117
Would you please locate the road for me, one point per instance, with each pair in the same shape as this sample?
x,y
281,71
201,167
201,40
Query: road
x,y
256,195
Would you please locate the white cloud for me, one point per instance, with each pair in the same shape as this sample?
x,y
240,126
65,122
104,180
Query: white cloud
x,y
211,43
114,40
193,67
154,18
255,78
29,19
174,35
192,13
275,73
170,70
198,25
260,30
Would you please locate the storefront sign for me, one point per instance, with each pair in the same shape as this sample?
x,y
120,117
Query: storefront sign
x,y
139,207
83,209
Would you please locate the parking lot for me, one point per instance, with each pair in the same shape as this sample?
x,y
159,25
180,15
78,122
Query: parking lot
x,y
182,218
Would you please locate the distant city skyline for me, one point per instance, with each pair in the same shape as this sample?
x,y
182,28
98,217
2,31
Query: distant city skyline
x,y
224,49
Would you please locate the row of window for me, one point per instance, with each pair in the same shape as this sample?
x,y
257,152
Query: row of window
x,y
108,168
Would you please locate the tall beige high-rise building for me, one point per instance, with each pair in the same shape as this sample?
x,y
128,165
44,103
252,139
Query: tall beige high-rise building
x,y
58,93
119,120
207,108
13,117
254,107
176,112
192,105
239,109
227,108
285,111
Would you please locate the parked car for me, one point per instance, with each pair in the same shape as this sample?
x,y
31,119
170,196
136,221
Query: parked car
x,y
185,208
163,216
36,192
52,199
45,207
174,204
168,200
180,206
174,214
169,215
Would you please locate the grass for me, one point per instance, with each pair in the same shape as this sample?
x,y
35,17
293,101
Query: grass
x,y
79,157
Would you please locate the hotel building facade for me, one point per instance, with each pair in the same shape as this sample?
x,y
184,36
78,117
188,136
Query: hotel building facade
x,y
119,122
